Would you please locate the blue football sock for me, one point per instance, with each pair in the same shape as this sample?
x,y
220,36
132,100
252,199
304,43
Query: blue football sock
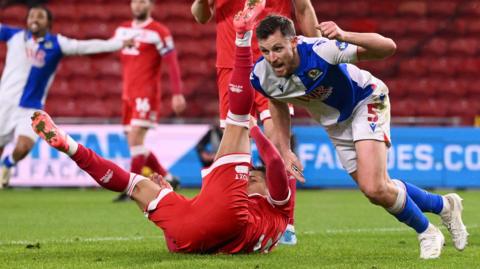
x,y
8,162
426,201
406,211
412,216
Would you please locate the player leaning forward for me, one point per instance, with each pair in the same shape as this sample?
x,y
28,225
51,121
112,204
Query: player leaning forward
x,y
236,211
354,108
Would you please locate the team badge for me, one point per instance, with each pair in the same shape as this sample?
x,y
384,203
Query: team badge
x,y
314,74
341,45
48,45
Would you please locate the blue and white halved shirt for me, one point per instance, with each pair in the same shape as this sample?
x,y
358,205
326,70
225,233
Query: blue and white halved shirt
x,y
325,83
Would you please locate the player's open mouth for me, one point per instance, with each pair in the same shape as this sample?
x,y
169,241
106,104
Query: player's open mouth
x,y
278,68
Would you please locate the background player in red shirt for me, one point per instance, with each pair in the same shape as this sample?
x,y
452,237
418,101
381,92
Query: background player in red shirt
x,y
224,11
222,217
141,89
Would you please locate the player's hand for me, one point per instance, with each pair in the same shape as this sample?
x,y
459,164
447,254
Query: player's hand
x,y
178,103
330,30
252,123
160,181
293,165
128,43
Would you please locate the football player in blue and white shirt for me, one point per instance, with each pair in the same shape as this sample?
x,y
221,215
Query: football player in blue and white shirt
x,y
32,58
354,108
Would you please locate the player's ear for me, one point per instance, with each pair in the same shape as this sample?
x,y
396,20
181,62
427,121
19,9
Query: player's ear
x,y
293,42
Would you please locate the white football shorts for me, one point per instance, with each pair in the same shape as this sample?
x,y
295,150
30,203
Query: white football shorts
x,y
369,121
15,121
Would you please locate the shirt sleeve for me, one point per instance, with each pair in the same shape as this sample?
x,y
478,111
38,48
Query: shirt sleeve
x,y
335,52
255,81
6,32
165,44
71,46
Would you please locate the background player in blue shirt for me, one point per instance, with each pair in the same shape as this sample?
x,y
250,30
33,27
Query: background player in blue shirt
x,y
32,58
354,108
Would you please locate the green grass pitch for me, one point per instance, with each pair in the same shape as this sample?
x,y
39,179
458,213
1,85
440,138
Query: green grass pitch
x,y
336,229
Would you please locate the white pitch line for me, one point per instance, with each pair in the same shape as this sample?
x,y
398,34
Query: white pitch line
x,y
371,230
79,240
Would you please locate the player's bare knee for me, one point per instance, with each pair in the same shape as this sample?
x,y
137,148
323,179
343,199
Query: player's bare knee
x,y
375,192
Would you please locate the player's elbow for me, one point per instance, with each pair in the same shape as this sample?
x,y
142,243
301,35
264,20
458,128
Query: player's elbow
x,y
200,17
390,47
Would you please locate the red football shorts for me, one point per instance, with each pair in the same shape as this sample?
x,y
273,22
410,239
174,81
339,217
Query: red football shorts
x,y
216,215
140,111
260,106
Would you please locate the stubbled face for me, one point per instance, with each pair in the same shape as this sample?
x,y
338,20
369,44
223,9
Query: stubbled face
x,y
37,21
141,9
281,53
256,183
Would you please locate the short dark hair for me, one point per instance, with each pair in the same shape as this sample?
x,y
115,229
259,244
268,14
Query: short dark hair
x,y
259,168
49,13
272,23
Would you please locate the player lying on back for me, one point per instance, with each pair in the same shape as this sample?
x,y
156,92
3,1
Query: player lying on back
x,y
236,211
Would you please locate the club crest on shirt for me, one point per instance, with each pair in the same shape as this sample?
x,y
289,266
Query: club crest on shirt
x,y
314,74
48,45
341,45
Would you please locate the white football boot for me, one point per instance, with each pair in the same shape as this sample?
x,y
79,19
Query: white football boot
x,y
452,219
431,243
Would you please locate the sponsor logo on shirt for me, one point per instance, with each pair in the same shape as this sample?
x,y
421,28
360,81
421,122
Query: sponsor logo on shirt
x,y
235,88
242,172
320,93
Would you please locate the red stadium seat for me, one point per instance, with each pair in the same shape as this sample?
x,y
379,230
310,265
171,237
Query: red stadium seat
x,y
71,30
451,89
97,29
423,88
444,67
464,46
93,12
93,107
414,67
16,13
435,47
432,108
111,87
383,8
471,8
392,27
326,9
406,45
78,66
398,87
423,27
119,11
412,8
107,67
61,107
403,107
469,67
354,9
64,11
442,8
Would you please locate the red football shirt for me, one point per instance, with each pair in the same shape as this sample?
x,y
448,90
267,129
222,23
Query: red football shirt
x,y
142,63
225,10
266,224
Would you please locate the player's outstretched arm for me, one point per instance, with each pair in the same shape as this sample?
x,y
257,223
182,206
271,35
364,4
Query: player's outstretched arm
x,y
281,120
371,46
306,18
202,10
71,46
276,175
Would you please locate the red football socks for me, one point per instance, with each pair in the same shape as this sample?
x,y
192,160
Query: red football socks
x,y
106,173
240,94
